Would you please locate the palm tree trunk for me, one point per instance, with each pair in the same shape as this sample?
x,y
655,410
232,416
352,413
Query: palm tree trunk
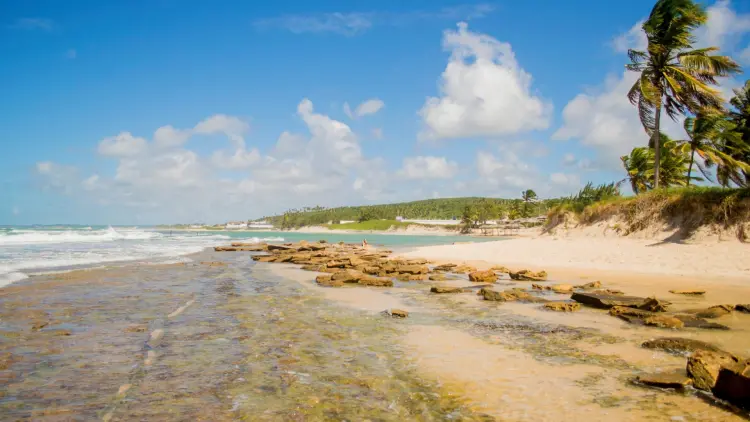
x,y
690,167
657,146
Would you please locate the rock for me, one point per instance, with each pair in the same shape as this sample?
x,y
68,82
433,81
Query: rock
x,y
609,292
136,328
337,264
464,269
500,269
313,267
528,275
398,313
688,292
376,281
483,276
437,289
743,308
672,380
607,301
412,269
438,277
417,277
692,321
703,367
563,306
537,286
712,311
264,258
561,288
272,247
733,384
678,345
508,296
639,316
663,321
322,241
588,286
444,267
348,276
327,281
653,304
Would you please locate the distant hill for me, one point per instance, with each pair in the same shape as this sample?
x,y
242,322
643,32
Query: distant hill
x,y
428,209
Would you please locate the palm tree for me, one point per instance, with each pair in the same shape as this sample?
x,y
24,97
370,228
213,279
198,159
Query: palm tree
x,y
673,75
708,133
528,195
639,166
739,114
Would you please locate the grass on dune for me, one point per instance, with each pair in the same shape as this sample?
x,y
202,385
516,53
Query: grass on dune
x,y
369,225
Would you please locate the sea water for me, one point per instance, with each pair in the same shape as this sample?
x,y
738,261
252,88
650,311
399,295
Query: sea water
x,y
28,250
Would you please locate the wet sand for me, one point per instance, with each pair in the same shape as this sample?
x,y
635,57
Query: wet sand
x,y
255,341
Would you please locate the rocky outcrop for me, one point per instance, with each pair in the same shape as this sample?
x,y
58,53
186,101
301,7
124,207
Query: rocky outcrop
x,y
327,281
678,345
742,308
639,316
563,306
733,384
500,269
712,311
508,295
692,321
348,276
397,313
661,380
607,301
557,288
653,304
703,367
526,275
441,290
483,276
438,277
463,269
444,267
412,269
376,281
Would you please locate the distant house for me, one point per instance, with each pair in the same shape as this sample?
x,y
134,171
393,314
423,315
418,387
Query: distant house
x,y
399,218
260,225
236,225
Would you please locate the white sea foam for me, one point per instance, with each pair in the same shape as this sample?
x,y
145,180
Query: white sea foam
x,y
32,237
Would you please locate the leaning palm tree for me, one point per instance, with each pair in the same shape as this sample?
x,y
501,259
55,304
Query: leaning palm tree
x,y
739,114
639,166
673,75
713,137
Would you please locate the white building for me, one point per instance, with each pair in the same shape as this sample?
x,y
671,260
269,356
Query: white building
x,y
236,225
260,225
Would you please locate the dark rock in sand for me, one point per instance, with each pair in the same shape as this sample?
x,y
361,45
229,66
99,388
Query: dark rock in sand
x,y
398,313
313,267
272,247
437,289
264,258
348,276
607,301
691,321
743,308
672,380
509,296
678,345
500,269
483,276
412,269
639,316
438,277
563,306
653,304
703,367
688,292
376,281
733,384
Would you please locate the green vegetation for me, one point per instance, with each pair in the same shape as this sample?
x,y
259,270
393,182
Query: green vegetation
x,y
673,75
378,225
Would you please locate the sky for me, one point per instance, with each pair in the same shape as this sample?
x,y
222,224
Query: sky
x,y
166,111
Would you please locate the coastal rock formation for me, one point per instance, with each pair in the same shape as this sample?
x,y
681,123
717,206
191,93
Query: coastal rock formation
x,y
526,275
639,316
327,281
483,276
508,295
557,288
463,269
412,269
348,276
437,289
563,306
438,277
703,367
376,281
712,311
678,345
653,304
397,313
606,300
444,267
669,380
743,308
693,321
500,269
733,384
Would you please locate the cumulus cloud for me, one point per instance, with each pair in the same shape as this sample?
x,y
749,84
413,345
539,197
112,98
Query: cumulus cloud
x,y
168,137
233,127
634,38
484,91
428,167
564,179
241,159
122,145
370,106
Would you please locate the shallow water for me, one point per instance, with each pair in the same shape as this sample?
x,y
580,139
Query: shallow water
x,y
251,341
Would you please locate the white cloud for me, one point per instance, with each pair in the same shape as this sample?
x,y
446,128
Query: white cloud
x,y
428,167
370,106
231,126
332,142
744,55
239,160
44,167
724,28
355,23
289,144
92,182
122,145
484,91
168,137
634,39
569,159
563,179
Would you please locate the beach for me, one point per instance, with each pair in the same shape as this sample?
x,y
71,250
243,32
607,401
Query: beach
x,y
219,336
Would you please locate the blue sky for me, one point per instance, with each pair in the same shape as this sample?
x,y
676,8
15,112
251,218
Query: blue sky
x,y
171,111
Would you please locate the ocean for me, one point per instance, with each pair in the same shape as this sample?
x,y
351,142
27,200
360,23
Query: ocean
x,y
29,250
